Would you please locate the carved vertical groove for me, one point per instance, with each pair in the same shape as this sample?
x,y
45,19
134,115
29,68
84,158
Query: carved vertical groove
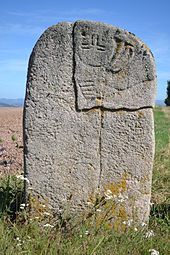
x,y
74,69
100,144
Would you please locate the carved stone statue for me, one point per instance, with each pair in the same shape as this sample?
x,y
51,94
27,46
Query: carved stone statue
x,y
88,123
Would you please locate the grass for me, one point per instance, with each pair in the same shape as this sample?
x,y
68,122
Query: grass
x,y
34,232
161,173
162,128
11,191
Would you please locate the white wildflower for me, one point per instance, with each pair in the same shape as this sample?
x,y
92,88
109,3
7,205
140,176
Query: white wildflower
x,y
126,197
108,194
26,179
48,226
18,241
120,198
129,222
21,177
43,205
47,213
36,217
154,252
108,197
149,234
89,203
143,224
22,206
98,210
86,232
135,229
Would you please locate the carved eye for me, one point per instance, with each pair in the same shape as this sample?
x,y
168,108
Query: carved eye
x,y
130,51
83,33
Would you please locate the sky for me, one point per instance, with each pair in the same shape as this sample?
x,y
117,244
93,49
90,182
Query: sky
x,y
22,22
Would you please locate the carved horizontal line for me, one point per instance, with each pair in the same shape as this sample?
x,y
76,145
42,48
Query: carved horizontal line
x,y
87,82
83,48
86,85
101,46
101,49
89,96
88,92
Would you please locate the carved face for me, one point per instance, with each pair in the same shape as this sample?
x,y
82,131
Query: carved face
x,y
94,48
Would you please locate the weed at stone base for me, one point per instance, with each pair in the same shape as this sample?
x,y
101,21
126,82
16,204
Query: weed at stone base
x,y
11,192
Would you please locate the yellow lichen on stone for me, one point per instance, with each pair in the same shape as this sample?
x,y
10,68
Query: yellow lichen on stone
x,y
109,206
98,101
119,187
140,114
121,112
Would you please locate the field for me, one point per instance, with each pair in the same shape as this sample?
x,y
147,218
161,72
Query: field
x,y
35,231
11,149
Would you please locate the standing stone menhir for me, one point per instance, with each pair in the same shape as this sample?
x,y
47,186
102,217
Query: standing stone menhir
x,y
88,123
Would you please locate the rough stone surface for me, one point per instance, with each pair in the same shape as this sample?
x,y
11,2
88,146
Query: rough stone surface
x,y
88,120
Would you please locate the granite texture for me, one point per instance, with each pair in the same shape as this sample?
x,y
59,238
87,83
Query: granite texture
x,y
88,119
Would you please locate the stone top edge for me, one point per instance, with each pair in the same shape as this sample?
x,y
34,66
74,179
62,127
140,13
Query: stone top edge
x,y
92,22
69,31
101,24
